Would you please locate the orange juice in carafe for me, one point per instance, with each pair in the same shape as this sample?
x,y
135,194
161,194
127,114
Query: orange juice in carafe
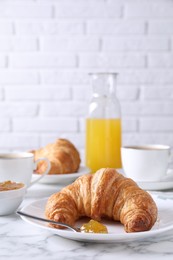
x,y
103,124
103,142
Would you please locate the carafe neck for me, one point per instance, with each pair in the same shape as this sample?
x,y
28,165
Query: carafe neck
x,y
104,84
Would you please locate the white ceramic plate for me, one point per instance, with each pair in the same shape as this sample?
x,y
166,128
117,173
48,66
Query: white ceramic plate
x,y
62,178
164,184
116,232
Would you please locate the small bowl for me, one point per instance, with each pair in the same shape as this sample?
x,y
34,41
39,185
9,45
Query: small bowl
x,y
10,200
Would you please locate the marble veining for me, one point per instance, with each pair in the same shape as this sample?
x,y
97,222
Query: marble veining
x,y
20,240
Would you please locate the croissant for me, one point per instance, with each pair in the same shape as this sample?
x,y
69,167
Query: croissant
x,y
105,194
63,157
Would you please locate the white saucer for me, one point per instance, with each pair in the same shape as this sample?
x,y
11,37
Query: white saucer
x,y
62,178
164,184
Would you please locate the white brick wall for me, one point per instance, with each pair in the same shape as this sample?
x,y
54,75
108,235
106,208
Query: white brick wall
x,y
47,48
17,44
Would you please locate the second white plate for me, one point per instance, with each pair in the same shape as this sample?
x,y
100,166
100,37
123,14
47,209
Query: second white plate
x,y
156,186
62,178
164,184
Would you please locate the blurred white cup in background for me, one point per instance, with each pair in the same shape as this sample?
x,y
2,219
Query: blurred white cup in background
x,y
19,167
146,162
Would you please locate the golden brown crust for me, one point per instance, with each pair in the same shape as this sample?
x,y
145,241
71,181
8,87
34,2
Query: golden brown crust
x,y
104,194
63,157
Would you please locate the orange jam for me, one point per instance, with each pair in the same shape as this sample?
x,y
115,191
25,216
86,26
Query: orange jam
x,y
94,226
9,185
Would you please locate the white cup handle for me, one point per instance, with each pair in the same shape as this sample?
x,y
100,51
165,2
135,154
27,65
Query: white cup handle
x,y
170,163
170,158
43,174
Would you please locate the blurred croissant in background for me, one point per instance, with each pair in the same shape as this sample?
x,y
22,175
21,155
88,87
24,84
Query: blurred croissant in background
x,y
63,156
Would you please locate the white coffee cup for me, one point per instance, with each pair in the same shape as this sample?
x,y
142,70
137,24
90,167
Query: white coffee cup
x,y
146,162
19,167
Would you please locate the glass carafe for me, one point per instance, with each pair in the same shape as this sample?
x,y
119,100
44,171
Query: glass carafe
x,y
103,124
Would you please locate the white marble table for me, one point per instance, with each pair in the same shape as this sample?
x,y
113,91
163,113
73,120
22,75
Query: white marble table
x,y
20,240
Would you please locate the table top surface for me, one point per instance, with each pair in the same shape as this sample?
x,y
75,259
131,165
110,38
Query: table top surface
x,y
20,240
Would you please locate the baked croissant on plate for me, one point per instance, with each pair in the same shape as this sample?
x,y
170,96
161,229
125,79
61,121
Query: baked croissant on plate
x,y
105,194
63,157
